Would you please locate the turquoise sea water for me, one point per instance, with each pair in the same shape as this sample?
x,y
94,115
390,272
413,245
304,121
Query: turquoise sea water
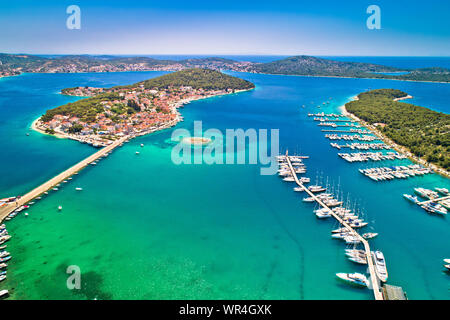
x,y
144,228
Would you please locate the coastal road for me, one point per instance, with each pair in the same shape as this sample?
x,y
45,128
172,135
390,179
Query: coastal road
x,y
6,210
373,276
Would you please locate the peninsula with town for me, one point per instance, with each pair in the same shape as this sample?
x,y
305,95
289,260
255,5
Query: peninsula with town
x,y
108,114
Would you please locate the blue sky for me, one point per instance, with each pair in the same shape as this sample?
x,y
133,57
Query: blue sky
x,y
318,27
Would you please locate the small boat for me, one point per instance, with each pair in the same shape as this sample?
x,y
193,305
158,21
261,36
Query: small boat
x,y
79,189
352,239
369,235
411,198
355,278
60,208
289,179
4,294
26,214
2,278
447,266
316,188
443,191
3,265
304,180
322,213
137,152
433,207
4,254
3,247
142,144
380,265
341,235
426,193
5,259
56,189
358,259
298,189
340,230
447,260
3,273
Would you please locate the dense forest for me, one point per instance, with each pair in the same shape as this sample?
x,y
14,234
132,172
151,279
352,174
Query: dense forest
x,y
198,78
423,131
85,109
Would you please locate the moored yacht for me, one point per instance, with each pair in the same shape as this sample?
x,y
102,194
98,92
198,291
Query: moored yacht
x,y
426,193
434,207
369,235
355,278
380,265
443,191
340,230
316,188
4,293
411,198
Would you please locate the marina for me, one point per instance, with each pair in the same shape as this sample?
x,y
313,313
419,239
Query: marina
x,y
422,278
395,172
372,156
351,236
434,204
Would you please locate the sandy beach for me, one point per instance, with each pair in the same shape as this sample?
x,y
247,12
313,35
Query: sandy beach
x,y
35,127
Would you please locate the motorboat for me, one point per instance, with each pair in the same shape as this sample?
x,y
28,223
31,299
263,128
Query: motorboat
x,y
369,235
316,188
354,278
443,191
340,230
358,259
4,294
411,198
5,259
380,265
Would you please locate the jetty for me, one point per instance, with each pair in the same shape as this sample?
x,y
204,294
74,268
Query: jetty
x,y
368,254
360,131
52,183
433,200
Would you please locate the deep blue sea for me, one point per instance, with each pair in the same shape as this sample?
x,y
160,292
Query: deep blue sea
x,y
145,228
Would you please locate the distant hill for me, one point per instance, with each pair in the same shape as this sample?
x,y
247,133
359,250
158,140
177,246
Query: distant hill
x,y
313,66
11,64
197,78
307,65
